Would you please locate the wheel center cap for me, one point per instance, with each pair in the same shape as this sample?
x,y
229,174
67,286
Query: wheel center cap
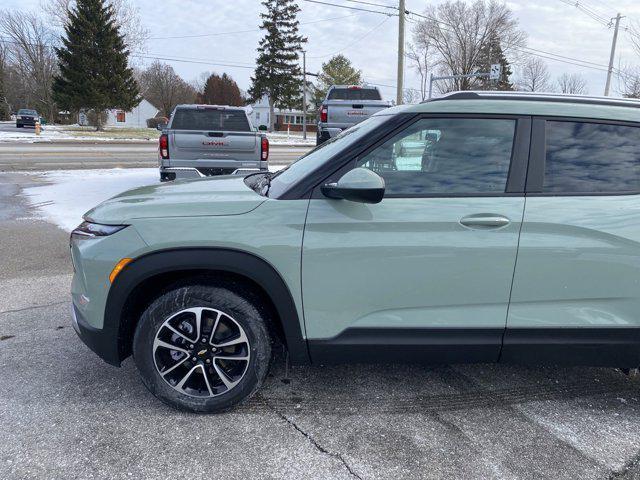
x,y
202,352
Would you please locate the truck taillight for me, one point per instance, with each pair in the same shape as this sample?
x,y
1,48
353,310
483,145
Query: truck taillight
x,y
164,146
264,148
324,113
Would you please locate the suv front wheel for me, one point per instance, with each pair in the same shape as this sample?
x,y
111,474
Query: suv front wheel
x,y
202,348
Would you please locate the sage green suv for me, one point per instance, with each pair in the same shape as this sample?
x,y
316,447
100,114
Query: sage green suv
x,y
478,227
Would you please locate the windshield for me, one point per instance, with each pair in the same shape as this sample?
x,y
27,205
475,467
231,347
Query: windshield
x,y
25,111
317,157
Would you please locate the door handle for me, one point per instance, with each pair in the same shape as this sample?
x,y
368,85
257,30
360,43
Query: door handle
x,y
485,221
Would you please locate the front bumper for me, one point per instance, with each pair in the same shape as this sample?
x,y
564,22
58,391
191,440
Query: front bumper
x,y
26,121
93,260
102,342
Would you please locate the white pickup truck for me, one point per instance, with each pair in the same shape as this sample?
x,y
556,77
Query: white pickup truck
x,y
345,106
205,140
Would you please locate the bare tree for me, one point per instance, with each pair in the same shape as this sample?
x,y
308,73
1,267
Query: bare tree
x,y
164,88
629,82
420,54
127,15
32,59
411,96
534,76
457,31
572,83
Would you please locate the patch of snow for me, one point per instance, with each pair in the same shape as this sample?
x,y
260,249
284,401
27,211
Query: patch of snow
x,y
291,139
66,195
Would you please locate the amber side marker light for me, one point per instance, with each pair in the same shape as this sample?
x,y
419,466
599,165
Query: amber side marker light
x,y
118,268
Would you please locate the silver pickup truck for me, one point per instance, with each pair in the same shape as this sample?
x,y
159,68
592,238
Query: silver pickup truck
x,y
346,105
205,140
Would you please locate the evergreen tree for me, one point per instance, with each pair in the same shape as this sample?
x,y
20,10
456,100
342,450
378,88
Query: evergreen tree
x,y
490,53
93,61
278,73
221,90
337,71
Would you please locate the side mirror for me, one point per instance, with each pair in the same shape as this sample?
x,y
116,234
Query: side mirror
x,y
161,126
358,185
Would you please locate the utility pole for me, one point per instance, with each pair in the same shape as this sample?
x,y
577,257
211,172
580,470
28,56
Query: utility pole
x,y
304,94
401,14
613,54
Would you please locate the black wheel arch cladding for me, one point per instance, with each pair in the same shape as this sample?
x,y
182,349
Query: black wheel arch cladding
x,y
197,261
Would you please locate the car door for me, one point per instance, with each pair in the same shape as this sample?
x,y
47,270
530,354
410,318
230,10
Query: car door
x,y
424,275
576,291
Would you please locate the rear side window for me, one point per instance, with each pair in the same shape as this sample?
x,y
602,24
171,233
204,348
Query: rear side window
x,y
210,119
354,94
591,158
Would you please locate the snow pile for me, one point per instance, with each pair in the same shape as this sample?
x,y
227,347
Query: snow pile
x,y
67,194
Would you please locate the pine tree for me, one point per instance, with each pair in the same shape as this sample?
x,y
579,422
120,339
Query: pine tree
x,y
337,71
93,61
278,73
490,53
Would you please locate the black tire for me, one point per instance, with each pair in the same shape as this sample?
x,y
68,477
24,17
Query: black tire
x,y
19,125
234,301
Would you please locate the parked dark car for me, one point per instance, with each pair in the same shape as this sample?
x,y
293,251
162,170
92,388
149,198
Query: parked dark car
x,y
26,116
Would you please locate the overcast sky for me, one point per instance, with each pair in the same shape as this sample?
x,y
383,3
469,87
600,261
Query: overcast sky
x,y
369,40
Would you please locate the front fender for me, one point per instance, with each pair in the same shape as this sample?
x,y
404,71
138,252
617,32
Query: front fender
x,y
204,259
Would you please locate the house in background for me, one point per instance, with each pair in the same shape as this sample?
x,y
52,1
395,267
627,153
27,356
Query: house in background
x,y
136,118
285,119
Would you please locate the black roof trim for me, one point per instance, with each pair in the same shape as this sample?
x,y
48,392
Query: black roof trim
x,y
538,97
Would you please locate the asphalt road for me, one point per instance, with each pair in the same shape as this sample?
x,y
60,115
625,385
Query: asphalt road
x,y
86,154
50,156
66,414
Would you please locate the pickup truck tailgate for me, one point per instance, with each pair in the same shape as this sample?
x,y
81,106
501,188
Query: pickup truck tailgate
x,y
207,143
350,112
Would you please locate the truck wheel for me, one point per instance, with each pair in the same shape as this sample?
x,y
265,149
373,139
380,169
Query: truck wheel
x,y
202,348
318,138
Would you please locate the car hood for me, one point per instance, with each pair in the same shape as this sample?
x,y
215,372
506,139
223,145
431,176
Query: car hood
x,y
226,195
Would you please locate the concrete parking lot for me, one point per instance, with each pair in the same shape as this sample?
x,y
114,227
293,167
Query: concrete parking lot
x,y
66,414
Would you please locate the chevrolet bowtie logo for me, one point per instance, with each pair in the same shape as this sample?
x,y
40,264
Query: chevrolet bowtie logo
x,y
202,352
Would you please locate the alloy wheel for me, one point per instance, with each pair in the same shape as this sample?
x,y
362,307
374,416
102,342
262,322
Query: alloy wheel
x,y
201,352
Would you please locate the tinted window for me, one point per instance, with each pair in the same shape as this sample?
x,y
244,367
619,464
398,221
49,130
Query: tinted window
x,y
25,111
591,158
210,119
445,156
320,155
354,94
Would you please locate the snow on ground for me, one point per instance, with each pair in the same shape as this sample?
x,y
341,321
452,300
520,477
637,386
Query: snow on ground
x,y
291,139
27,135
67,194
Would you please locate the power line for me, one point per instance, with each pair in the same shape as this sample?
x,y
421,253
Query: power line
x,y
247,31
349,7
533,51
587,11
369,32
372,4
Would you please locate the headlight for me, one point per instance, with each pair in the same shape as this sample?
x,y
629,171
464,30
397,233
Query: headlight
x,y
88,229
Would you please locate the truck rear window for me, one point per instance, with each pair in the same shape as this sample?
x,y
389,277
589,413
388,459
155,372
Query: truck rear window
x,y
354,94
210,119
